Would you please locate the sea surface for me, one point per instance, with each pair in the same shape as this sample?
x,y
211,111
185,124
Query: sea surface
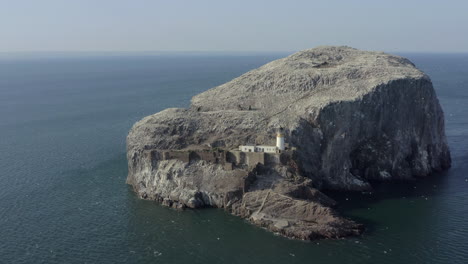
x,y
63,197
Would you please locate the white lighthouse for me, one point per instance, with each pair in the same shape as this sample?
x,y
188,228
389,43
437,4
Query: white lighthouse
x,y
280,139
280,146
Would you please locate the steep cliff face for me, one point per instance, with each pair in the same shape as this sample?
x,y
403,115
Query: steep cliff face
x,y
354,116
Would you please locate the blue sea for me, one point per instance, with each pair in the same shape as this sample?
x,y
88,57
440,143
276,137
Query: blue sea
x,y
63,197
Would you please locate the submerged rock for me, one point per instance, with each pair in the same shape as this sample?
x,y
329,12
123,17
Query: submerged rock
x,y
350,117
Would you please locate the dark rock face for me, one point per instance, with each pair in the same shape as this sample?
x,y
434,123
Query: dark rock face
x,y
354,116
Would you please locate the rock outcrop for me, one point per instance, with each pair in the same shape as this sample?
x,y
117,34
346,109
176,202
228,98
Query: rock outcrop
x,y
352,116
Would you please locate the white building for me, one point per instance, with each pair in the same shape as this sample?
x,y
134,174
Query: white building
x,y
268,149
260,148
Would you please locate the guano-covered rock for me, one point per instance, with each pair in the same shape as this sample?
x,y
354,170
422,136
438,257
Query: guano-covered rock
x,y
350,117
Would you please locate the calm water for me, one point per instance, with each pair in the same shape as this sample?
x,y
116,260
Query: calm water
x,y
63,197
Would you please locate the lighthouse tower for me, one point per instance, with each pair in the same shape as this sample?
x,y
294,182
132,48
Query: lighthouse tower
x,y
280,139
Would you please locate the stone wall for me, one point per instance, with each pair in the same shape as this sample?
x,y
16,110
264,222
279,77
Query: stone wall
x,y
236,157
211,156
272,158
178,155
253,158
229,159
216,156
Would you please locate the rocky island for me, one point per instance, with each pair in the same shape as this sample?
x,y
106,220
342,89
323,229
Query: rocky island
x,y
348,118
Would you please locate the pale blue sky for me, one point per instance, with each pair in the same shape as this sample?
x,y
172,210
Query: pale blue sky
x,y
216,25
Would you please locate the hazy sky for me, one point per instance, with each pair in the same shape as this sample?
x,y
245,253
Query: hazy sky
x,y
235,25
